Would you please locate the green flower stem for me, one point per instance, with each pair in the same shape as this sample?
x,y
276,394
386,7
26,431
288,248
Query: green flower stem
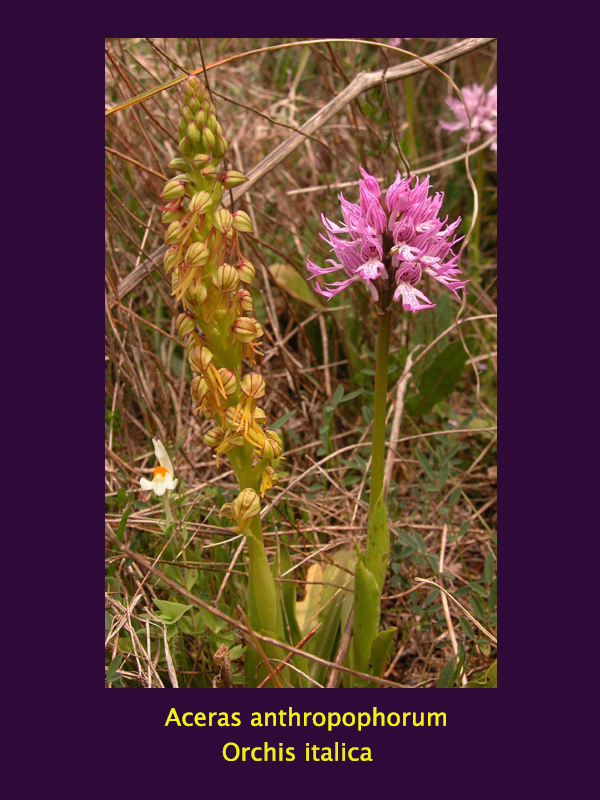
x,y
241,462
378,536
263,604
367,652
170,520
480,178
410,114
167,507
380,409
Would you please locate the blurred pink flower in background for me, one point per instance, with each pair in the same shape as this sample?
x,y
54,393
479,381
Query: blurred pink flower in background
x,y
397,42
483,108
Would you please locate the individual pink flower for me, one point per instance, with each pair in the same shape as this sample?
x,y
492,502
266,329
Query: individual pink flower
x,y
391,243
397,42
483,109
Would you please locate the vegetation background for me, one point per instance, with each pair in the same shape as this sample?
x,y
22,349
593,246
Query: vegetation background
x,y
318,359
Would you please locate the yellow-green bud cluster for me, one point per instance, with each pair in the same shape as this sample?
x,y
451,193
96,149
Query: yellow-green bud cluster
x,y
212,278
201,234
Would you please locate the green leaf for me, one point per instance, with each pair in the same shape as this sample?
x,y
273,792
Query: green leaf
x,y
478,610
123,523
454,497
419,540
486,680
426,466
337,395
291,281
350,396
489,568
366,616
466,626
334,606
262,595
282,420
186,626
380,648
438,380
446,675
171,612
112,675
443,476
287,591
404,537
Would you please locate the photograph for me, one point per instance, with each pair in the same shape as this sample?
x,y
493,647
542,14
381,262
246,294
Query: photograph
x,y
301,369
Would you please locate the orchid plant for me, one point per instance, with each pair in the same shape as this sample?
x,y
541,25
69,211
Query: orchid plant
x,y
211,277
388,244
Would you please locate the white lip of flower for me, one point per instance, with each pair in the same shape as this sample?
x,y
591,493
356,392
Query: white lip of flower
x,y
163,474
404,252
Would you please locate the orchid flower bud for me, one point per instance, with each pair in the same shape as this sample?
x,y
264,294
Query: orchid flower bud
x,y
232,178
178,163
228,380
242,222
245,271
221,146
171,257
245,329
200,358
201,202
209,172
193,132
170,216
200,159
198,294
201,118
208,140
174,189
259,416
214,437
253,386
186,324
230,418
245,506
223,220
197,254
272,446
245,301
225,278
174,232
211,122
199,388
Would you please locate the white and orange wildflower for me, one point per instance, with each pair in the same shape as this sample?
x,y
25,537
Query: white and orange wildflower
x,y
163,479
